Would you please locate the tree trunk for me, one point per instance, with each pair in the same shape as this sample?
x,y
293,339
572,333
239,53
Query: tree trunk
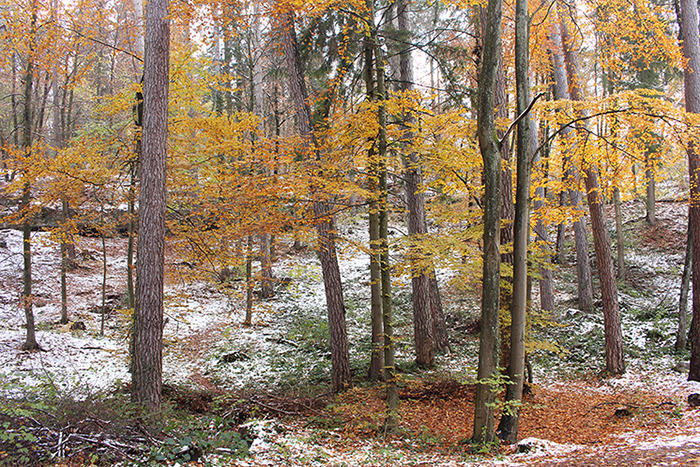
x,y
104,283
682,335
614,353
484,426
422,316
691,78
508,428
620,236
30,342
391,422
541,235
147,377
572,180
340,359
249,282
267,285
376,367
651,187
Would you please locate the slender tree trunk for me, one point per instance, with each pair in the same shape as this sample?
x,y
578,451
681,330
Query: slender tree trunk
x,y
484,425
691,78
249,283
614,353
376,367
620,236
651,187
572,180
682,335
392,398
541,235
508,427
30,342
104,282
147,376
267,285
340,359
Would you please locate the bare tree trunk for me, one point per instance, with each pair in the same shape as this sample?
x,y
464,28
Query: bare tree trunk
x,y
508,427
267,285
147,376
682,334
249,283
340,359
391,422
691,78
104,282
572,179
484,424
651,187
541,235
620,236
614,353
376,367
30,342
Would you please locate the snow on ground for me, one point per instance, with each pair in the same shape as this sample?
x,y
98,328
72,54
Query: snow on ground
x,y
204,337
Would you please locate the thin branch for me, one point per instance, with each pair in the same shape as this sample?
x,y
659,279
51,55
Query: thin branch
x,y
520,117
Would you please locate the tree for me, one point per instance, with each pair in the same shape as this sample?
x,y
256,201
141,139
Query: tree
x,y
614,353
691,80
572,178
508,428
484,426
146,386
340,360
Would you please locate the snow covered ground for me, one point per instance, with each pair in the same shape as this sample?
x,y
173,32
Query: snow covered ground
x,y
206,344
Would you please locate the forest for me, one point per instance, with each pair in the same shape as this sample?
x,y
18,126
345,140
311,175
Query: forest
x,y
361,233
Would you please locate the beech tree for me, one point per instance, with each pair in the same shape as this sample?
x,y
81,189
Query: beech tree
x,y
484,425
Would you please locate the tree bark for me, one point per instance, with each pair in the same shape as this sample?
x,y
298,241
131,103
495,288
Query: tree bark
x,y
541,235
30,342
340,359
376,367
422,317
484,426
508,428
147,376
249,282
391,422
572,180
691,81
651,187
614,353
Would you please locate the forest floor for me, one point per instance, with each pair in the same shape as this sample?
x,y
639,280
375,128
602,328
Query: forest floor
x,y
259,395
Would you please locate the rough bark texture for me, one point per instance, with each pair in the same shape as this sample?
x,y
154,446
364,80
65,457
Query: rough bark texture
x,y
340,359
691,78
146,385
614,353
572,179
267,284
484,426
